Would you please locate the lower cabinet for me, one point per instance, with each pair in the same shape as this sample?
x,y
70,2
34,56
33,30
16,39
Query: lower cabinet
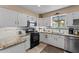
x,y
60,42
45,38
27,43
55,40
42,37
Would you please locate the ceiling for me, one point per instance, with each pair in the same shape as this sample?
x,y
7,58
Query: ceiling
x,y
43,8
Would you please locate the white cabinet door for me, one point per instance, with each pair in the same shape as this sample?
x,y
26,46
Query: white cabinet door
x,y
44,21
52,40
69,19
7,18
66,20
27,43
57,41
55,38
47,21
45,38
40,22
11,18
42,37
60,42
22,18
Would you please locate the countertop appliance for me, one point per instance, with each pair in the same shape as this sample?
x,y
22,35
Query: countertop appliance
x,y
31,25
75,21
74,30
71,44
34,39
71,30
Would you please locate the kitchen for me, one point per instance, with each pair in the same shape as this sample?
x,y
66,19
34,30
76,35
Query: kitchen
x,y
33,29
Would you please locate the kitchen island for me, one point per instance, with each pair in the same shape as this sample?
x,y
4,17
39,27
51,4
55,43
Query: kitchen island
x,y
14,40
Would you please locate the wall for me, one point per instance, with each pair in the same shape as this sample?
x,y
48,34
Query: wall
x,y
19,9
70,9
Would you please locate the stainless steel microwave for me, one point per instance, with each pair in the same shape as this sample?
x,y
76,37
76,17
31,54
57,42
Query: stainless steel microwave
x,y
75,21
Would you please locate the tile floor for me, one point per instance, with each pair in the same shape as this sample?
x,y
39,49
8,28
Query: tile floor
x,y
45,48
51,49
37,49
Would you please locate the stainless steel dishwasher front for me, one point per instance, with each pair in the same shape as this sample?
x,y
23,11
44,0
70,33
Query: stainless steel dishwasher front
x,y
71,44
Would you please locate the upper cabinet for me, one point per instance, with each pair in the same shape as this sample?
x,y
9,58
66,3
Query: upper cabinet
x,y
47,21
69,19
8,18
72,19
44,21
31,18
22,19
40,22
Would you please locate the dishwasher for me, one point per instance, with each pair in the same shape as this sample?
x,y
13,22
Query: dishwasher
x,y
71,44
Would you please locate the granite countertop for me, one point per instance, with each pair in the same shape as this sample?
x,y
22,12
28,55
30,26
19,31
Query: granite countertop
x,y
24,35
68,35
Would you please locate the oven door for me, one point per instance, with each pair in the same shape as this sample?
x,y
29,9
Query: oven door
x,y
34,39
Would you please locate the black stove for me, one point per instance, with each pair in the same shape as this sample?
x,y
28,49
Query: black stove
x,y
34,39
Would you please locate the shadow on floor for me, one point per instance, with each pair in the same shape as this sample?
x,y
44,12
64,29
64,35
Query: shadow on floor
x,y
51,49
